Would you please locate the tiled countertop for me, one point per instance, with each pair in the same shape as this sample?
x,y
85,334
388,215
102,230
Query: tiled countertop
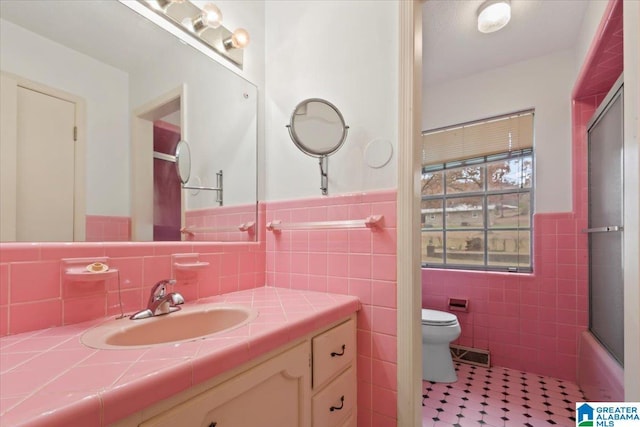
x,y
49,378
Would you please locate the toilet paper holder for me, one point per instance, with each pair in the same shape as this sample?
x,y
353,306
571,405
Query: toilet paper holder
x,y
458,304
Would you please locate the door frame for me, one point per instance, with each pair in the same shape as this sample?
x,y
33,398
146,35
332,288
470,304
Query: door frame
x,y
8,153
409,278
142,158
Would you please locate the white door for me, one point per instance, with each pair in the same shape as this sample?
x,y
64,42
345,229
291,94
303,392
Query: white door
x,y
42,163
45,167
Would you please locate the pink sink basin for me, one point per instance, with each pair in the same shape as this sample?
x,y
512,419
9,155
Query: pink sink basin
x,y
190,323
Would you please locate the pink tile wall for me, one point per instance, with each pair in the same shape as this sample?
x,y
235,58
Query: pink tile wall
x,y
360,262
223,222
528,321
34,294
102,228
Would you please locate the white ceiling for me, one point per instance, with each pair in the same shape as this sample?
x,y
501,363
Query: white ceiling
x,y
454,48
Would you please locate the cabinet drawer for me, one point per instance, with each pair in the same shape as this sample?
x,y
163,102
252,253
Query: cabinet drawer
x,y
338,400
333,351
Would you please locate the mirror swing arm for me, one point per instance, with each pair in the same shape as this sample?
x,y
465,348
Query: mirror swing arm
x,y
182,160
323,161
219,189
318,129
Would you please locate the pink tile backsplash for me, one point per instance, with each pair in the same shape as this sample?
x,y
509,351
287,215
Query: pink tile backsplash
x,y
31,280
36,315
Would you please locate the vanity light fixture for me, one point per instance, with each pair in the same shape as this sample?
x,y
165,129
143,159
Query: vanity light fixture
x,y
493,15
209,17
238,40
205,24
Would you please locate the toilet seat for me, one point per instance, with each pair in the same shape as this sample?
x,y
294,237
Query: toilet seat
x,y
438,318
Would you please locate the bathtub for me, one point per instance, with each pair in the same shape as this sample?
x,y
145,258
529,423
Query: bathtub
x,y
599,375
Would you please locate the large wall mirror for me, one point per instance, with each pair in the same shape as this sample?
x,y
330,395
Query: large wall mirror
x,y
95,99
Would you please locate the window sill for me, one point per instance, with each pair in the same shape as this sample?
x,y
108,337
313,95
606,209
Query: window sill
x,y
479,271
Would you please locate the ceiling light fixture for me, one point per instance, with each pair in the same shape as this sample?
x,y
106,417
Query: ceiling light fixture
x,y
493,15
205,24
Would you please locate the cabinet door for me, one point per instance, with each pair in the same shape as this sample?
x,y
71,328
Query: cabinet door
x,y
272,394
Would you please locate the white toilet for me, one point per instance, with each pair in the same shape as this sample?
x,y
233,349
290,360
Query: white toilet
x,y
438,330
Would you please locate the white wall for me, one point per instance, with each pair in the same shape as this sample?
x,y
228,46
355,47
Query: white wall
x,y
347,53
543,83
107,152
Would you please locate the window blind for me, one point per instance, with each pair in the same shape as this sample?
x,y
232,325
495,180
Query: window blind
x,y
477,139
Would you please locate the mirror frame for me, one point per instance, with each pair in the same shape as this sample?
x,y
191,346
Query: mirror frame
x,y
183,154
298,141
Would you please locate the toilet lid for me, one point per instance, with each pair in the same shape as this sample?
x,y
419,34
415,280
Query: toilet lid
x,y
438,318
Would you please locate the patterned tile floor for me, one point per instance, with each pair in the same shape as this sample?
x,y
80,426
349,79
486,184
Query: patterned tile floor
x,y
499,397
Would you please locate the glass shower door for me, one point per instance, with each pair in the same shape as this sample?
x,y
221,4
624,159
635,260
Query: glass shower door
x,y
605,224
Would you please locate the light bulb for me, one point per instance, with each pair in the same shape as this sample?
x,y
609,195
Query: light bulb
x,y
240,38
211,15
493,15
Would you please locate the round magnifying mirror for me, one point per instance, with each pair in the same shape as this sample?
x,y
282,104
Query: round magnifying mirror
x,y
183,161
317,127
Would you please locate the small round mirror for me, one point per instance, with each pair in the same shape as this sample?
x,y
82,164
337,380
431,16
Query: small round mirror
x,y
183,161
317,127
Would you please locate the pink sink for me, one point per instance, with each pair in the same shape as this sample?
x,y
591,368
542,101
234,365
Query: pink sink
x,y
190,323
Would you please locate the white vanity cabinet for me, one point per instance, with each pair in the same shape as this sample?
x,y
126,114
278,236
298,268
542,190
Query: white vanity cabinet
x,y
272,394
311,382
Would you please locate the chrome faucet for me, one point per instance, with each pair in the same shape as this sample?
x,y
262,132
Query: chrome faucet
x,y
160,302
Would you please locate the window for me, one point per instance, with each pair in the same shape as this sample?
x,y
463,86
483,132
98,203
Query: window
x,y
476,211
